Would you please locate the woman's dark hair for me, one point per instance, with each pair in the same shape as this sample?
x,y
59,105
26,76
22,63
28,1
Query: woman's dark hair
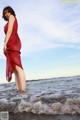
x,y
10,10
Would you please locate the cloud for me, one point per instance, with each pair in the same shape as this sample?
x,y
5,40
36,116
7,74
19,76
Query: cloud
x,y
46,24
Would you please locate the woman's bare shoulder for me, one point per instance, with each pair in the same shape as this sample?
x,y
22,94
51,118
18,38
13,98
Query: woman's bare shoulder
x,y
12,17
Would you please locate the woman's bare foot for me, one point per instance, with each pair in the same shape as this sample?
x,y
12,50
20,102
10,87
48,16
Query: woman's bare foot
x,y
17,91
23,91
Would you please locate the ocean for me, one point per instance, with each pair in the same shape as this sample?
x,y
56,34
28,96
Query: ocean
x,y
54,96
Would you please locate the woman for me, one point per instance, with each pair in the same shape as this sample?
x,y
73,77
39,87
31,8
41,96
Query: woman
x,y
12,46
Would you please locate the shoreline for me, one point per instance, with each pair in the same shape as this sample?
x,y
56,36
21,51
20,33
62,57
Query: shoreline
x,y
53,99
31,116
35,80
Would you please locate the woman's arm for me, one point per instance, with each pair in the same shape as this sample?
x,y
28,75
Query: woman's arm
x,y
10,27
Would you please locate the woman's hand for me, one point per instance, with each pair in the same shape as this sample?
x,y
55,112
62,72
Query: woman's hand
x,y
5,47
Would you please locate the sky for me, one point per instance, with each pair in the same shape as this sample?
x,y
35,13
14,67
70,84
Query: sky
x,y
50,34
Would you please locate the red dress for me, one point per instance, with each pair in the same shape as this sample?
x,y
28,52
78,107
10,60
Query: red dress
x,y
12,52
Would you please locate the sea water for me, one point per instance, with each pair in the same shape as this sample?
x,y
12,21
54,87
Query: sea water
x,y
45,96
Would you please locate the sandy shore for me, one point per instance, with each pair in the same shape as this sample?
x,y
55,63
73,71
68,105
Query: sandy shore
x,y
31,116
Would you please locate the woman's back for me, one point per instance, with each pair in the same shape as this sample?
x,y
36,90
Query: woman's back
x,y
14,42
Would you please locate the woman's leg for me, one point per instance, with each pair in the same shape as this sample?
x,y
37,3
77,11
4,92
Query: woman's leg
x,y
17,81
21,78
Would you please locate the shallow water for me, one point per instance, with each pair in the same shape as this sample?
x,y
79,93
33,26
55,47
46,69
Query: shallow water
x,y
47,96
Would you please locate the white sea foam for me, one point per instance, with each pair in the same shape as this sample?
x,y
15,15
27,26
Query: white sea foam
x,y
51,96
3,100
